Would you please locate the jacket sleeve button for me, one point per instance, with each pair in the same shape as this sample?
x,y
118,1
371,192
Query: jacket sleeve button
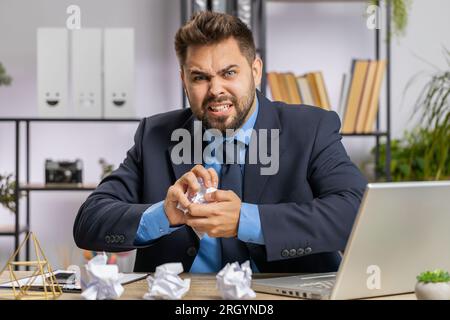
x,y
285,253
191,251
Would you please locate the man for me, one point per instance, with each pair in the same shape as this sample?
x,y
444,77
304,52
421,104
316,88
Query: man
x,y
294,219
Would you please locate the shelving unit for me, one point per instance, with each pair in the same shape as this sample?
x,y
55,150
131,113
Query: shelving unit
x,y
16,230
258,27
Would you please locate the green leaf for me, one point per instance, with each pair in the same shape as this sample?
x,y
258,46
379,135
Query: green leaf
x,y
435,276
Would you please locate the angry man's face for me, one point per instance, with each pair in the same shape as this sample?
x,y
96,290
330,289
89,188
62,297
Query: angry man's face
x,y
220,84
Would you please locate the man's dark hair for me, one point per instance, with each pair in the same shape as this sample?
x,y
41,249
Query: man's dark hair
x,y
208,27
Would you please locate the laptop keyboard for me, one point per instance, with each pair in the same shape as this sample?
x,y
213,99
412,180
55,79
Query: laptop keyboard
x,y
324,284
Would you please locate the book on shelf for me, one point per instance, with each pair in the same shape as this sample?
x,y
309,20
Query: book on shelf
x,y
282,82
292,88
360,98
359,68
313,88
365,96
324,101
305,89
344,94
272,79
305,92
372,110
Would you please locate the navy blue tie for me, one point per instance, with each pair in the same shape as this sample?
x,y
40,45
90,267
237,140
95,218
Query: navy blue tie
x,y
231,179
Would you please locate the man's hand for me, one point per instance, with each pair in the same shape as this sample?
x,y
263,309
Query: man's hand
x,y
219,217
177,192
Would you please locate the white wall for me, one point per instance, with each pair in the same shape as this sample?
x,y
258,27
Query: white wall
x,y
301,37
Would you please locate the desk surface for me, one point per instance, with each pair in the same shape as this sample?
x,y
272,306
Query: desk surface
x,y
203,287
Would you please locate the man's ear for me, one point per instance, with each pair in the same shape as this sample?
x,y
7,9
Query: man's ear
x,y
182,76
257,70
182,80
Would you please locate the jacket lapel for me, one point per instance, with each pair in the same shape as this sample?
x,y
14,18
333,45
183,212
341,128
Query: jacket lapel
x,y
182,168
254,181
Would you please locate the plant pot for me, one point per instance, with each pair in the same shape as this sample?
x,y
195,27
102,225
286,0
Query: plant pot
x,y
433,290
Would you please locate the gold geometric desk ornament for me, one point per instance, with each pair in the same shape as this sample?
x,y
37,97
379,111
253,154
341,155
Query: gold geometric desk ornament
x,y
42,269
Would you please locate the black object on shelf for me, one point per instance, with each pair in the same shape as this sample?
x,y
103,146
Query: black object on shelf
x,y
259,22
16,230
68,172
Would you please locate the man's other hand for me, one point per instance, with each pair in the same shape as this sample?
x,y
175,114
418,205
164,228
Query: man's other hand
x,y
219,217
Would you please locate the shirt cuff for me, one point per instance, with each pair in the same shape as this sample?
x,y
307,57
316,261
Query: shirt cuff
x,y
249,229
153,225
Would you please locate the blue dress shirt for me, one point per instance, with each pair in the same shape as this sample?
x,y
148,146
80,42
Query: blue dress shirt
x,y
154,222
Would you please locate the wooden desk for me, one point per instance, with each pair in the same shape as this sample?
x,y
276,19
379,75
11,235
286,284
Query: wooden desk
x,y
203,287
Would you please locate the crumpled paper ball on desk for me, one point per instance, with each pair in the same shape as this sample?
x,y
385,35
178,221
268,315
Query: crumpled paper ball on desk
x,y
166,284
234,281
101,280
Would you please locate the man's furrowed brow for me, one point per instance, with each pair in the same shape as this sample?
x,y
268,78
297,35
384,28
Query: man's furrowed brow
x,y
200,72
196,71
228,68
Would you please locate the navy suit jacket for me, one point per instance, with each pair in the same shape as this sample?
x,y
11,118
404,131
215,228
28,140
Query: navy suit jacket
x,y
307,209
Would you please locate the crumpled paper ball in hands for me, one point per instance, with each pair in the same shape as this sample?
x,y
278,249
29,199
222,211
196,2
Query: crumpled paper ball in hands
x,y
199,197
101,280
234,281
166,284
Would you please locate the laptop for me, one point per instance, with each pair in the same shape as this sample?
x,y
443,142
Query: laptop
x,y
401,230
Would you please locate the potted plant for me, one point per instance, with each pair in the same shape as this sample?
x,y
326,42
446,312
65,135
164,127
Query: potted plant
x,y
5,80
424,152
433,285
107,168
399,16
7,185
7,192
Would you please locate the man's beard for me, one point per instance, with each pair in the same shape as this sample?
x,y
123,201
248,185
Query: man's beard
x,y
242,107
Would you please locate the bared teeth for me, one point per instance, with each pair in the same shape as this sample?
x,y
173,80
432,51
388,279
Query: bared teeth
x,y
220,107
